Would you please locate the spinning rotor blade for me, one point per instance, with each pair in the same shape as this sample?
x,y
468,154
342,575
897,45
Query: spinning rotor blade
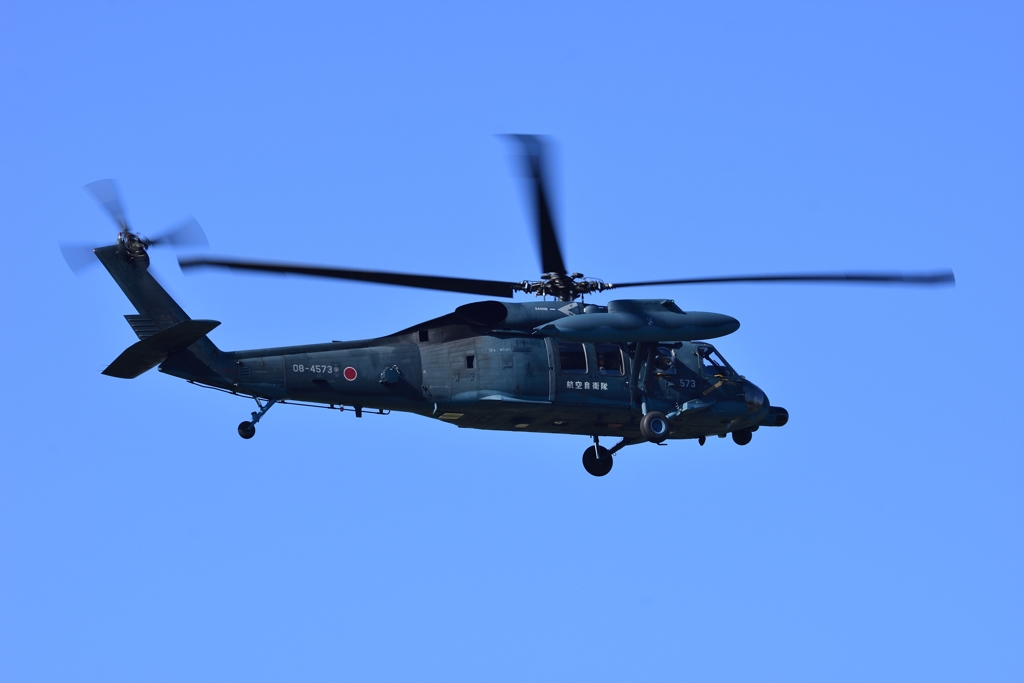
x,y
941,277
550,253
105,192
78,256
445,284
187,233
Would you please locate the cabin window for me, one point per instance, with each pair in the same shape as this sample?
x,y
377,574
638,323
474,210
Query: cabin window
x,y
424,335
469,362
572,358
609,359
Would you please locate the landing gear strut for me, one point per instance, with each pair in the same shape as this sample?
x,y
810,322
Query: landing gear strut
x,y
247,429
597,460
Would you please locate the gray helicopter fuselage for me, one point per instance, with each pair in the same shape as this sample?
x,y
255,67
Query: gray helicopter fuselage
x,y
454,369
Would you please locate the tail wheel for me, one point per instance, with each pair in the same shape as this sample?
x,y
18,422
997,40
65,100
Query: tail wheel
x,y
597,461
654,427
246,430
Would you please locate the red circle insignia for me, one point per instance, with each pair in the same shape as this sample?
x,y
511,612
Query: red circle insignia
x,y
350,373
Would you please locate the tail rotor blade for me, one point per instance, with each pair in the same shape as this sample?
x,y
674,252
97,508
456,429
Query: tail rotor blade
x,y
550,252
78,256
105,192
186,234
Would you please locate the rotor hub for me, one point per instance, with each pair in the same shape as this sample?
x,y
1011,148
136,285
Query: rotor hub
x,y
134,245
564,287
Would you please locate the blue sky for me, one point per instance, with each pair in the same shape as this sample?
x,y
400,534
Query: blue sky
x,y
876,537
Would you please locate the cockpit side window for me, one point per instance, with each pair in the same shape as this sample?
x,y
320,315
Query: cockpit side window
x,y
712,362
609,359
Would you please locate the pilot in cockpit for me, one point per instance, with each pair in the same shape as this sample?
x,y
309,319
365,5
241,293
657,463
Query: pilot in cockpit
x,y
664,362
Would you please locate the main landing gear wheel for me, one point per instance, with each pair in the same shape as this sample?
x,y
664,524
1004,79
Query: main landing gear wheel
x,y
597,460
246,430
654,427
742,436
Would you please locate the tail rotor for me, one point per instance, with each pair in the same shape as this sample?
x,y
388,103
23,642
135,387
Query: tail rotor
x,y
80,256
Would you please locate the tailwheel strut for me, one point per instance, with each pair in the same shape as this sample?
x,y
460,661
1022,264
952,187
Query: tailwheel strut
x,y
247,429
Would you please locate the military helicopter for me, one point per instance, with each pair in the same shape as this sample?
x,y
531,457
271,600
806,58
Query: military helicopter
x,y
636,370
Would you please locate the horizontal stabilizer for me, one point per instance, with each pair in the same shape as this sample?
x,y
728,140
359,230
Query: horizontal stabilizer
x,y
152,350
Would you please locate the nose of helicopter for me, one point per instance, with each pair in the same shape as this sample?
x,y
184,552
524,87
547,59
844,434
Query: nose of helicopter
x,y
753,397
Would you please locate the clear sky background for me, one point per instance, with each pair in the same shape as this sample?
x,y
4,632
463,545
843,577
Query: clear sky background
x,y
878,536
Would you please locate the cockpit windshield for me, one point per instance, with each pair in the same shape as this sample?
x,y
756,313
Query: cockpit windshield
x,y
712,363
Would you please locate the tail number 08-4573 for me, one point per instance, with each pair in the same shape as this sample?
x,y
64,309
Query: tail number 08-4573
x,y
318,369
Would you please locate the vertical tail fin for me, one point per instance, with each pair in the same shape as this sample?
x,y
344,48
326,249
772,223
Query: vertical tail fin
x,y
167,336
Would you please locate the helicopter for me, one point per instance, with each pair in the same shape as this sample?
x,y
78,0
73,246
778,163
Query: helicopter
x,y
636,370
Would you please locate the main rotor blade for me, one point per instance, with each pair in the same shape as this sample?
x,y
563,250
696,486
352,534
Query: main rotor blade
x,y
105,192
445,284
550,253
941,277
187,233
